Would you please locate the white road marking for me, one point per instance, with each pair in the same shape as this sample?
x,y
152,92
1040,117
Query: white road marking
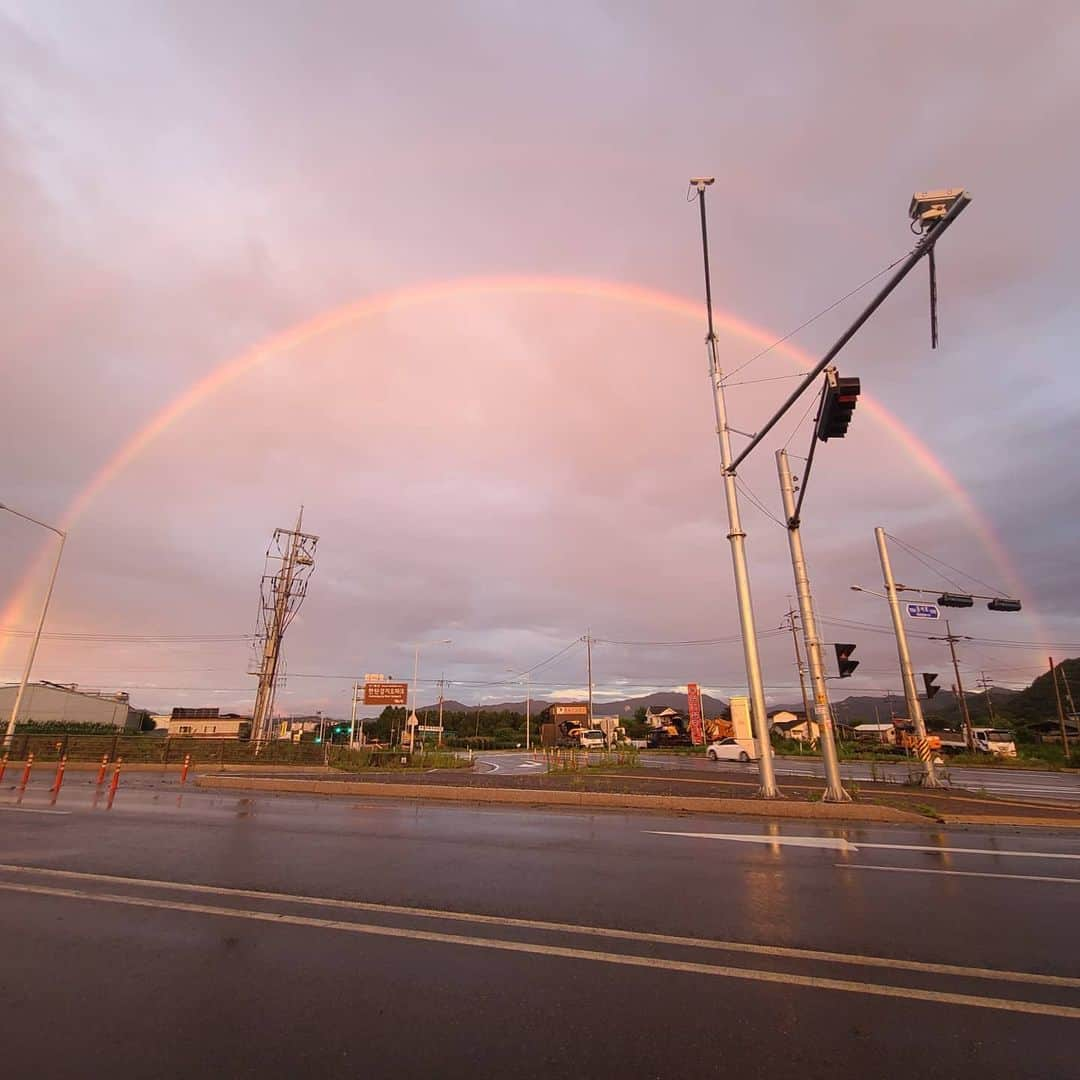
x,y
848,959
833,843
838,843
958,873
531,765
907,993
494,767
32,810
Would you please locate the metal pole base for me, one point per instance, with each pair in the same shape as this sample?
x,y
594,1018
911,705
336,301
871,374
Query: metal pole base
x,y
836,795
931,781
769,793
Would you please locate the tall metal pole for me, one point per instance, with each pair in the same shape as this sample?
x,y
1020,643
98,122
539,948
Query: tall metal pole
x,y
1060,711
352,719
411,728
737,537
834,789
969,736
9,735
929,778
588,653
799,667
442,688
528,711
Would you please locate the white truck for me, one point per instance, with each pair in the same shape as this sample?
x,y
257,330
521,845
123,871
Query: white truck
x,y
986,740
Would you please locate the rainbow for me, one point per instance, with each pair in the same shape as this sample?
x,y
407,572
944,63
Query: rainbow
x,y
417,296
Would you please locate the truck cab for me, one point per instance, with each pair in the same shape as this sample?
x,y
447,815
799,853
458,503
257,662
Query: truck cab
x,y
994,741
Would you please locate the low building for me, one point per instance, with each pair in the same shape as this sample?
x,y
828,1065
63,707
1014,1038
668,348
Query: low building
x,y
60,703
664,716
791,725
208,723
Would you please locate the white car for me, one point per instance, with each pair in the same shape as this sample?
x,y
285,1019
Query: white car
x,y
594,739
730,750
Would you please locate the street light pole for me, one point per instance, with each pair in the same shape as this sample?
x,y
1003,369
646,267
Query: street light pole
x,y
411,728
834,789
9,735
911,693
736,534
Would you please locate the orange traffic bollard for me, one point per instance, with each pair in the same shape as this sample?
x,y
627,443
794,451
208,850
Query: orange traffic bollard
x,y
183,771
114,785
101,771
60,767
26,771
3,766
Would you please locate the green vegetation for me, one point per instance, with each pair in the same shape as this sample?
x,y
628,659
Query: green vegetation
x,y
359,760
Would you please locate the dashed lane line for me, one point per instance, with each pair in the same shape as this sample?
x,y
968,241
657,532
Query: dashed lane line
x,y
788,952
786,979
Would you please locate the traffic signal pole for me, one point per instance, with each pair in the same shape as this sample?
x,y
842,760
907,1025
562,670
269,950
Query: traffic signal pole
x,y
834,789
737,537
911,693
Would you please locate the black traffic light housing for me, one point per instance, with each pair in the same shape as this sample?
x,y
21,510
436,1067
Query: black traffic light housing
x,y
928,680
837,404
1001,604
951,599
843,660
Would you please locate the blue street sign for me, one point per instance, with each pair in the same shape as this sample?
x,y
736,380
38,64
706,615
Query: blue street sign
x,y
923,611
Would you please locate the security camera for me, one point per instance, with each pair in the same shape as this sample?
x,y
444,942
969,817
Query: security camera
x,y
702,181
929,207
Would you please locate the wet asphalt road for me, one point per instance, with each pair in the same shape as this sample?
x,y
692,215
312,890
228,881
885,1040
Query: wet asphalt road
x,y
142,958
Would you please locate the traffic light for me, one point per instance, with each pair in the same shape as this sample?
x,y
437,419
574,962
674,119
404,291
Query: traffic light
x,y
841,397
952,599
844,661
1004,605
928,679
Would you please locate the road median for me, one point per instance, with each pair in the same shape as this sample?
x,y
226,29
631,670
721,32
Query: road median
x,y
774,808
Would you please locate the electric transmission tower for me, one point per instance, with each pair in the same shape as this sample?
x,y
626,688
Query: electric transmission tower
x,y
289,562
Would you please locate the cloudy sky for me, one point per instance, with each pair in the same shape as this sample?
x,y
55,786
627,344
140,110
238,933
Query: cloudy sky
x,y
513,467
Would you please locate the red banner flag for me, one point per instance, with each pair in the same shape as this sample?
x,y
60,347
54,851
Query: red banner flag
x,y
693,701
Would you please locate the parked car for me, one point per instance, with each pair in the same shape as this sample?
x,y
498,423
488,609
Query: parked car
x,y
733,750
593,739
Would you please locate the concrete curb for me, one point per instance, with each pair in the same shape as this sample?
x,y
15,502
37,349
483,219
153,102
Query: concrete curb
x,y
1002,819
577,799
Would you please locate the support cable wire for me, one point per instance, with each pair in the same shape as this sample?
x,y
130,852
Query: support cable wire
x,y
814,318
941,562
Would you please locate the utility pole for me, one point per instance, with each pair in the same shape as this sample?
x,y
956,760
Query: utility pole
x,y
352,721
588,653
442,687
736,534
929,778
281,595
799,665
528,711
834,789
952,639
1060,711
1068,692
984,685
9,734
